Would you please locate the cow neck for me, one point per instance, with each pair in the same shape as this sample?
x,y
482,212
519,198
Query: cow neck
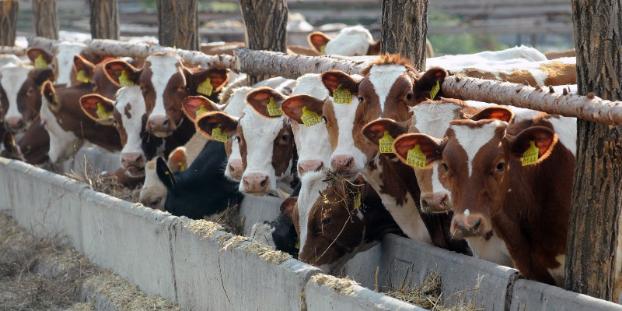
x,y
71,118
182,134
383,176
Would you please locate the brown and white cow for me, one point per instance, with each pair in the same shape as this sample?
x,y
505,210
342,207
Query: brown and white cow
x,y
165,83
512,182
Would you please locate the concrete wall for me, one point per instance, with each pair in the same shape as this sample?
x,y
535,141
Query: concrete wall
x,y
201,267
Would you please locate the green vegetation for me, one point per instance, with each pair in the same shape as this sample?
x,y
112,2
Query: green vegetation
x,y
458,43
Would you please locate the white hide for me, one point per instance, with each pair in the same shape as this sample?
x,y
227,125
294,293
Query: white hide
x,y
382,77
131,97
163,67
311,184
351,41
63,144
472,139
65,52
153,189
518,54
6,59
345,115
12,77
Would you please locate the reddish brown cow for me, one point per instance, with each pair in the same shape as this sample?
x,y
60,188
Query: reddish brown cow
x,y
512,181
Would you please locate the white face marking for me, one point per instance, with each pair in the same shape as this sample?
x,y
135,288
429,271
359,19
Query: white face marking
x,y
65,52
437,186
351,41
259,134
63,143
153,189
311,84
163,68
132,97
237,102
382,77
235,155
311,185
559,272
433,119
566,129
345,115
12,79
472,139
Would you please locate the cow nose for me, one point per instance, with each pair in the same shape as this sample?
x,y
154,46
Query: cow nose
x,y
14,123
310,166
466,226
158,124
255,183
236,169
133,159
342,163
434,202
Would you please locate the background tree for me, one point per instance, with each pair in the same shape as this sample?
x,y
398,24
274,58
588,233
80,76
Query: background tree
x,y
104,19
597,191
8,22
404,29
44,13
178,24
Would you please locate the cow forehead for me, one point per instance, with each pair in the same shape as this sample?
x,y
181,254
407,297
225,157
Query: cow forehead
x,y
433,118
132,97
311,84
163,67
382,77
259,129
65,53
351,41
237,102
473,138
14,75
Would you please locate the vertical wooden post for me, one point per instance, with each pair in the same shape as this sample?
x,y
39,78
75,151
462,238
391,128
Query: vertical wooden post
x,y
44,14
8,22
104,19
597,191
178,24
266,25
404,29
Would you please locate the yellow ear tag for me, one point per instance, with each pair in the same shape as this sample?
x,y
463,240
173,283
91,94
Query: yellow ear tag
x,y
416,158
323,49
309,117
219,135
205,88
101,112
342,96
435,89
530,156
273,109
357,200
124,79
40,62
201,110
82,77
181,166
385,144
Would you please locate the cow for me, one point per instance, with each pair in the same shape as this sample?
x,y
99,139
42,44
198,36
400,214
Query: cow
x,y
165,82
350,41
510,182
65,52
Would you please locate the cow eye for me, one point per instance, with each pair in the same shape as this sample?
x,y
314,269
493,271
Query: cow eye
x,y
409,96
500,166
30,91
237,138
444,167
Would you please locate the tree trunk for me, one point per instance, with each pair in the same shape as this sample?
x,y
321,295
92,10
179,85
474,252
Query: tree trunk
x,y
178,24
44,13
597,190
104,19
8,22
266,26
404,28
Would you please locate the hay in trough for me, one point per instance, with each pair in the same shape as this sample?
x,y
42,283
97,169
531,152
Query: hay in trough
x,y
343,286
229,218
204,228
104,183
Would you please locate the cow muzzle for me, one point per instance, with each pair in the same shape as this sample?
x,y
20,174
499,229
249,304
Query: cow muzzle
x,y
256,183
309,166
14,124
470,225
342,163
434,203
160,126
133,163
235,169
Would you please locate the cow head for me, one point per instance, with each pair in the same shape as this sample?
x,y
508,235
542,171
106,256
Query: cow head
x,y
153,192
63,143
165,83
63,62
20,93
351,41
227,132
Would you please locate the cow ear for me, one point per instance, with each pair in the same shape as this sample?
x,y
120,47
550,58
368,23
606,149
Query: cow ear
x,y
418,150
429,85
318,40
83,69
194,106
39,58
206,82
98,108
303,109
497,113
382,132
48,91
178,160
374,48
266,101
217,125
121,73
342,86
42,75
533,145
165,174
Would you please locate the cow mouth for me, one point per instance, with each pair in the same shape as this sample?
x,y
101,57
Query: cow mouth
x,y
134,171
161,134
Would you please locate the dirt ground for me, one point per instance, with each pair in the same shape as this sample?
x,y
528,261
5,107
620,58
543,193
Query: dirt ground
x,y
44,274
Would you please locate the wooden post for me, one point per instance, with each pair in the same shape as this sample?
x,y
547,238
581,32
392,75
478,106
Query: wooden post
x,y
44,14
266,25
104,19
8,22
597,191
404,29
178,24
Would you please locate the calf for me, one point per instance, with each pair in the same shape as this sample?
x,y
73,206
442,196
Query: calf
x,y
65,52
513,182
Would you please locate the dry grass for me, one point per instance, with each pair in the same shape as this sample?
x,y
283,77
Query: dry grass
x,y
343,286
106,183
230,219
429,296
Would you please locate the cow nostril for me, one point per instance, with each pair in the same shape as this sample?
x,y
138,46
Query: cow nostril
x,y
476,225
165,123
264,182
349,162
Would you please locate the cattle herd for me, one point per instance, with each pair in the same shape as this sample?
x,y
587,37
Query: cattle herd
x,y
352,156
